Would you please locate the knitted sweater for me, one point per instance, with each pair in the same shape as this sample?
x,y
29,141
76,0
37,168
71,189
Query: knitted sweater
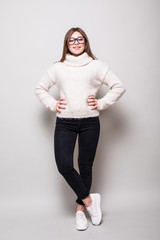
x,y
76,78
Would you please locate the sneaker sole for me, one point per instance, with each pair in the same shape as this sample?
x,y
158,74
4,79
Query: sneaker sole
x,y
81,228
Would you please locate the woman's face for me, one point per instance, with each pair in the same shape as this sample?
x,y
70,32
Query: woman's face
x,y
76,47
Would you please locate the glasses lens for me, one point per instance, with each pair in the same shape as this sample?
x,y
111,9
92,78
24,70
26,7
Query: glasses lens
x,y
71,41
81,40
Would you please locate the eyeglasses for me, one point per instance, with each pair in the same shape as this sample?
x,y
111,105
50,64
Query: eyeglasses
x,y
73,40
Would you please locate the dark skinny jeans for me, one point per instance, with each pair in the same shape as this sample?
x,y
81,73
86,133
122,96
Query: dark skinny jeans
x,y
66,131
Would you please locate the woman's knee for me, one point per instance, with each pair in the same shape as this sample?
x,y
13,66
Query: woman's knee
x,y
85,169
63,169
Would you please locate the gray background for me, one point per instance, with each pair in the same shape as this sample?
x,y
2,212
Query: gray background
x,y
35,201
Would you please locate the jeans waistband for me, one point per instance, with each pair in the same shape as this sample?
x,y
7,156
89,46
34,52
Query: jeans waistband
x,y
87,118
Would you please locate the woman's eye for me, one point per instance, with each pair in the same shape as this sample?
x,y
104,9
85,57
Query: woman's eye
x,y
81,40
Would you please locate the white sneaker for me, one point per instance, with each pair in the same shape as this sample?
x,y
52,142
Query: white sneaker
x,y
81,220
95,209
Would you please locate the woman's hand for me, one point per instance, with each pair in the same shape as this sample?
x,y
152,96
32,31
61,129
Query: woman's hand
x,y
92,101
59,102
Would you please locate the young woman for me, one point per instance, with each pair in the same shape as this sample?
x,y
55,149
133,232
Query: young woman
x,y
78,76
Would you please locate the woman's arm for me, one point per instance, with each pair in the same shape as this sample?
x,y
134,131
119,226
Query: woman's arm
x,y
116,90
42,89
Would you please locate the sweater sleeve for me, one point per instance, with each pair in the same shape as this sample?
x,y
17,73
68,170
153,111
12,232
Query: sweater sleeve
x,y
116,90
42,89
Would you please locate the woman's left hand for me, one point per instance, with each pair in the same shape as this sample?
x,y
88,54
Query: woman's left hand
x,y
92,101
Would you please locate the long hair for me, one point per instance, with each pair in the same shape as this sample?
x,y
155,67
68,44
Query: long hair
x,y
65,45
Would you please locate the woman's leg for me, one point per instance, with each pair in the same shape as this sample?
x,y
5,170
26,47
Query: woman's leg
x,y
64,142
87,142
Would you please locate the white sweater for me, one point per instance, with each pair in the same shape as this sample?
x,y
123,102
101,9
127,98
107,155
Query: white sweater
x,y
76,78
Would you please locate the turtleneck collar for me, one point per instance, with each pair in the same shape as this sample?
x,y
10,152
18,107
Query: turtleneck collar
x,y
77,61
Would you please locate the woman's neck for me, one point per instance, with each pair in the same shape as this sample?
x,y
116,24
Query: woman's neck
x,y
77,60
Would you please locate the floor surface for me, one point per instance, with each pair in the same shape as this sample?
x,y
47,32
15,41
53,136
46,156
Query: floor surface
x,y
123,224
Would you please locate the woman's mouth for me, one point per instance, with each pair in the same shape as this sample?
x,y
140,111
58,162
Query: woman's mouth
x,y
77,48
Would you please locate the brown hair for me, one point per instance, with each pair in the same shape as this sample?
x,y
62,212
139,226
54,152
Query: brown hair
x,y
65,46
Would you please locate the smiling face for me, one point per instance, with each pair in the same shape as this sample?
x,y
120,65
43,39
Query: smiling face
x,y
76,48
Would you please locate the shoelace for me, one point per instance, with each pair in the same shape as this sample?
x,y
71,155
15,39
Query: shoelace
x,y
80,216
92,211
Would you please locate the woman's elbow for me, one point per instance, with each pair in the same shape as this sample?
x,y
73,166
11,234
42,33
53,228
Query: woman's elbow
x,y
123,89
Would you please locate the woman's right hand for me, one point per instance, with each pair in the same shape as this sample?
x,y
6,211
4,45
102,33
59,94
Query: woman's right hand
x,y
59,103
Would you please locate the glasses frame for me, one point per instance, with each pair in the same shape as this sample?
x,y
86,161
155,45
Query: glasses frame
x,y
75,40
